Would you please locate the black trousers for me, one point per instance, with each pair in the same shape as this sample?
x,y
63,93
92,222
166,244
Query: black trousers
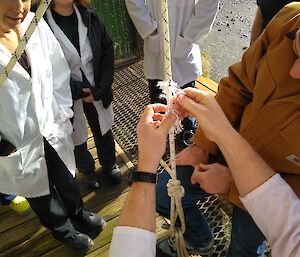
x,y
104,143
154,91
64,201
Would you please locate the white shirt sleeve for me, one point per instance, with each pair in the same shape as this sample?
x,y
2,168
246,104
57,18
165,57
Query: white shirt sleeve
x,y
132,242
275,209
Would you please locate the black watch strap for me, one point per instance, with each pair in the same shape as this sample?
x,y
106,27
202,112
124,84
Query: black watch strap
x,y
141,176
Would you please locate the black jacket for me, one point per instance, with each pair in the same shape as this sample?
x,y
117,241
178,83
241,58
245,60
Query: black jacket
x,y
103,55
103,58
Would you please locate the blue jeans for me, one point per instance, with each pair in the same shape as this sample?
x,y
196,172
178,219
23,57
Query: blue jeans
x,y
154,91
197,229
246,238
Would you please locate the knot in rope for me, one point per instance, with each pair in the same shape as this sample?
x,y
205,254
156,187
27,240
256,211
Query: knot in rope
x,y
175,189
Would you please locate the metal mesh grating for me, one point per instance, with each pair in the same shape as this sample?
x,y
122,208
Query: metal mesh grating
x,y
130,98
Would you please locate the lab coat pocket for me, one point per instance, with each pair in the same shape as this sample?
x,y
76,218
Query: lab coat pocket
x,y
152,43
182,48
11,163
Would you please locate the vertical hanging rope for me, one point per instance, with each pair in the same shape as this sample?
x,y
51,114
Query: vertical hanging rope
x,y
175,190
23,42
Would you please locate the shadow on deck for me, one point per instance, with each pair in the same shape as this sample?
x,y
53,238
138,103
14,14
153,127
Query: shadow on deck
x,y
25,237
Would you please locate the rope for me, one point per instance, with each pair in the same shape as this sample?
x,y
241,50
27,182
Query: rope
x,y
175,190
23,42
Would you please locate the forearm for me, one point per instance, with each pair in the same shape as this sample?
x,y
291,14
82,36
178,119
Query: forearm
x,y
248,169
139,208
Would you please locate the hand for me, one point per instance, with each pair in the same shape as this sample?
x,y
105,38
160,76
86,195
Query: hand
x,y
89,98
212,178
154,33
192,156
207,111
152,132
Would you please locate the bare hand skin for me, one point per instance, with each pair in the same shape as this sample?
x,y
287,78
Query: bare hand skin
x,y
154,33
212,178
89,98
192,156
152,128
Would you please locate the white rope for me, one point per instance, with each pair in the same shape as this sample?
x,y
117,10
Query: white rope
x,y
23,42
175,190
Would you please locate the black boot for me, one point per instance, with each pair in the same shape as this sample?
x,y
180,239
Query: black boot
x,y
79,242
89,223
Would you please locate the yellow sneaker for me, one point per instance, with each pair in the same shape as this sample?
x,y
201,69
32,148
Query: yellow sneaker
x,y
20,205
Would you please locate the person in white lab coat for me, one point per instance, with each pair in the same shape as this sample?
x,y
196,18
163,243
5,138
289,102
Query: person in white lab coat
x,y
37,159
90,55
190,22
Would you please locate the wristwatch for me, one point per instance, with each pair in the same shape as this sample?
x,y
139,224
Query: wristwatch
x,y
141,176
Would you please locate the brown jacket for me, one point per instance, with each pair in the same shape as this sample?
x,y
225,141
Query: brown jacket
x,y
260,95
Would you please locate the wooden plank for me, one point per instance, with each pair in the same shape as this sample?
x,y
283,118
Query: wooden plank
x,y
207,85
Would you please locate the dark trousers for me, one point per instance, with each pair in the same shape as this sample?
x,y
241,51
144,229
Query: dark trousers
x,y
64,201
104,143
6,199
154,91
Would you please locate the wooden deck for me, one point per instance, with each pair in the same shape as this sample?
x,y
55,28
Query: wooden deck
x,y
25,237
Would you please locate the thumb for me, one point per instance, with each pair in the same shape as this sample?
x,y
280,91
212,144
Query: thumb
x,y
168,122
188,104
196,177
204,167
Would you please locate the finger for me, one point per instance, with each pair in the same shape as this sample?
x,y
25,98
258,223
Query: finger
x,y
156,123
159,107
205,166
86,90
298,42
196,94
168,122
196,177
189,104
147,115
158,117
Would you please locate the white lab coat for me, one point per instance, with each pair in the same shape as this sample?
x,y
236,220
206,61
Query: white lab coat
x,y
33,108
190,22
76,64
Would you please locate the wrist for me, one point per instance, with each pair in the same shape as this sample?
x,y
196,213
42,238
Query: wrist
x,y
144,164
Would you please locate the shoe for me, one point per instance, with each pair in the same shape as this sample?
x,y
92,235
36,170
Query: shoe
x,y
114,174
91,181
89,223
187,137
20,205
165,249
79,242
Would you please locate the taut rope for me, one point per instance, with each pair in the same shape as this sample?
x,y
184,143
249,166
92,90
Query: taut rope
x,y
175,190
23,42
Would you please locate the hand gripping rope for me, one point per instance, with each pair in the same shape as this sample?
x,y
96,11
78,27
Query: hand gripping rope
x,y
16,55
175,190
